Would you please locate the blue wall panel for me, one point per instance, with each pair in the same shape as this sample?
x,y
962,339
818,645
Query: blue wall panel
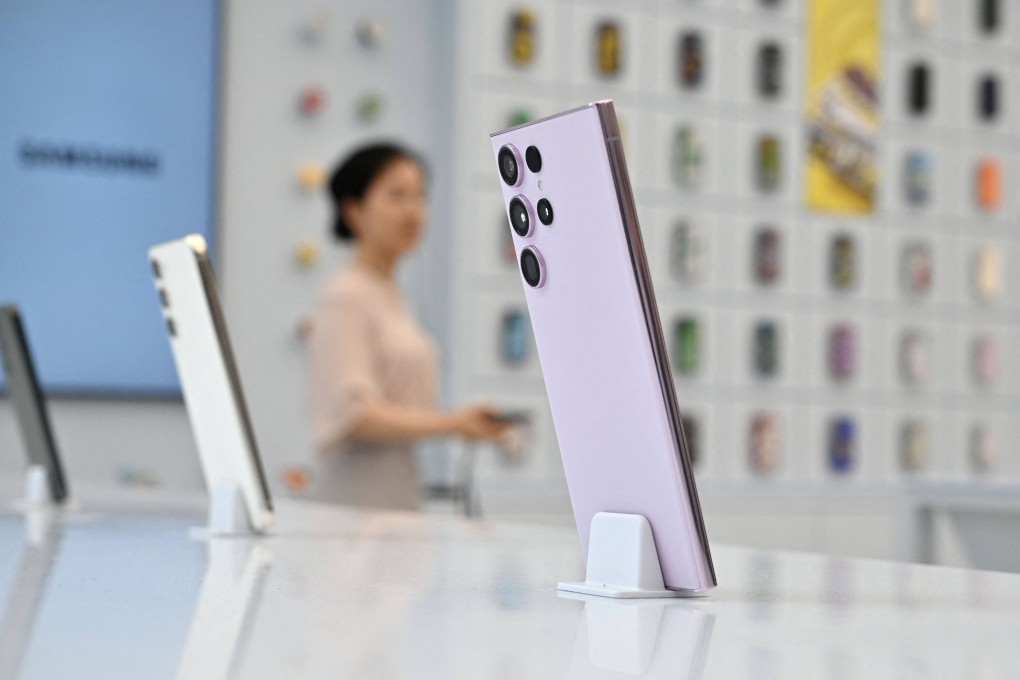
x,y
107,145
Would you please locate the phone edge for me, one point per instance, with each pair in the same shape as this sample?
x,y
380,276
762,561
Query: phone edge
x,y
57,480
643,279
233,375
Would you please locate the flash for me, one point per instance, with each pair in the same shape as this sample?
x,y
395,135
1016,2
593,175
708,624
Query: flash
x,y
540,185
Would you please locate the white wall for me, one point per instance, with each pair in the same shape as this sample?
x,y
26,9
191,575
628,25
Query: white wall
x,y
102,442
263,211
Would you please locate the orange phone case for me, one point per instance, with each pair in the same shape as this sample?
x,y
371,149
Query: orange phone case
x,y
989,184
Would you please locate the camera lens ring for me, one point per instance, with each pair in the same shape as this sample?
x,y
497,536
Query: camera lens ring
x,y
532,267
522,216
544,211
509,161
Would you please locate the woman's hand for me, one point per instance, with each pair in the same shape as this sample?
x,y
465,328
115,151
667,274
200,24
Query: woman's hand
x,y
383,421
478,421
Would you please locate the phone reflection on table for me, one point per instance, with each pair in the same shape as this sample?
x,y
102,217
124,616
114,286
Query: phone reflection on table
x,y
43,533
232,590
641,638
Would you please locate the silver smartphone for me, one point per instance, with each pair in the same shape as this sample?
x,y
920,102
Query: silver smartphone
x,y
582,262
208,373
29,402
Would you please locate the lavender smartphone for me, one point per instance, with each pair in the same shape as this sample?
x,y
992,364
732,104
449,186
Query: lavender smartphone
x,y
598,334
29,404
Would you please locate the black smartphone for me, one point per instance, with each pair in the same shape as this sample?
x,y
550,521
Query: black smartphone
x,y
29,403
513,417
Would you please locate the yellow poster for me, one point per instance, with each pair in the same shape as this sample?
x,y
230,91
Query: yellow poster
x,y
841,105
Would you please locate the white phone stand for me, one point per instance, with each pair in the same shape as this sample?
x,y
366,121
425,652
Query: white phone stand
x,y
622,560
228,515
37,488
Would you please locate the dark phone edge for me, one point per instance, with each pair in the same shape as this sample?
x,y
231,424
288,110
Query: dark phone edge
x,y
220,326
642,275
22,355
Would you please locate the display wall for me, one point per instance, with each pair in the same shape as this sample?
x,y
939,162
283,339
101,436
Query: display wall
x,y
813,351
823,359
819,340
107,145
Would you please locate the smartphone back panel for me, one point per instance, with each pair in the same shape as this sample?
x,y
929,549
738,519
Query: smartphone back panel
x,y
599,340
29,404
208,373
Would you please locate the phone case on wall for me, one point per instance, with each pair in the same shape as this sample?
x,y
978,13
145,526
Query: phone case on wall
x,y
29,404
608,49
599,338
918,88
988,98
208,373
770,70
767,265
842,444
691,60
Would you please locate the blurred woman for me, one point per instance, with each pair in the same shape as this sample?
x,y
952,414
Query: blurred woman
x,y
374,372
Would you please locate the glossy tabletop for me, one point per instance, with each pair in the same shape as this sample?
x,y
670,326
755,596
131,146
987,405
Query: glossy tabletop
x,y
336,593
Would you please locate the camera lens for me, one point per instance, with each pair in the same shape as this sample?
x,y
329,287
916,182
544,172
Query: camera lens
x,y
520,216
533,158
509,165
545,212
532,267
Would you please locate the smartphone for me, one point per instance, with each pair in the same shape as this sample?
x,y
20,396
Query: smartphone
x,y
513,417
598,335
208,373
29,403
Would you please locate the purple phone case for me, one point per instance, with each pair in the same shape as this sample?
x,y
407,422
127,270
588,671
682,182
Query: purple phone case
x,y
600,342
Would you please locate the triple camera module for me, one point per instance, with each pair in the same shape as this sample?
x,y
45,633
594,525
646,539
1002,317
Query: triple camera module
x,y
521,212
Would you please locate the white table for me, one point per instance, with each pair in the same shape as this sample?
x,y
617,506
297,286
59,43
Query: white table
x,y
341,594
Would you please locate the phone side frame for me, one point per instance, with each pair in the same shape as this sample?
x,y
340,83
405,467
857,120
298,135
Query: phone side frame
x,y
233,375
643,279
30,404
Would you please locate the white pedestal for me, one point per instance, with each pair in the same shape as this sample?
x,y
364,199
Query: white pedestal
x,y
228,515
37,498
37,487
622,560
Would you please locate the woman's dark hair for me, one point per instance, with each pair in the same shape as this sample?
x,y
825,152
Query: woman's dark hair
x,y
353,177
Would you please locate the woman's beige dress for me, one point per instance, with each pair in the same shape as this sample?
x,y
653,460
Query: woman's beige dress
x,y
365,345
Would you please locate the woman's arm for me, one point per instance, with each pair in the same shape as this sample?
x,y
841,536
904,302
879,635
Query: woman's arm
x,y
384,421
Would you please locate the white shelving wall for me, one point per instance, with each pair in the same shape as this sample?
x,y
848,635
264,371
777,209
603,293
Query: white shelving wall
x,y
446,82
728,207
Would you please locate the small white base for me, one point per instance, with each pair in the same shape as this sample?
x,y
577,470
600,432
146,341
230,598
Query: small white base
x,y
37,487
228,515
37,496
622,560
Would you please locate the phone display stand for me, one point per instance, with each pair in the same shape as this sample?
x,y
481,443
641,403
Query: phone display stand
x,y
228,515
37,488
38,499
622,560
